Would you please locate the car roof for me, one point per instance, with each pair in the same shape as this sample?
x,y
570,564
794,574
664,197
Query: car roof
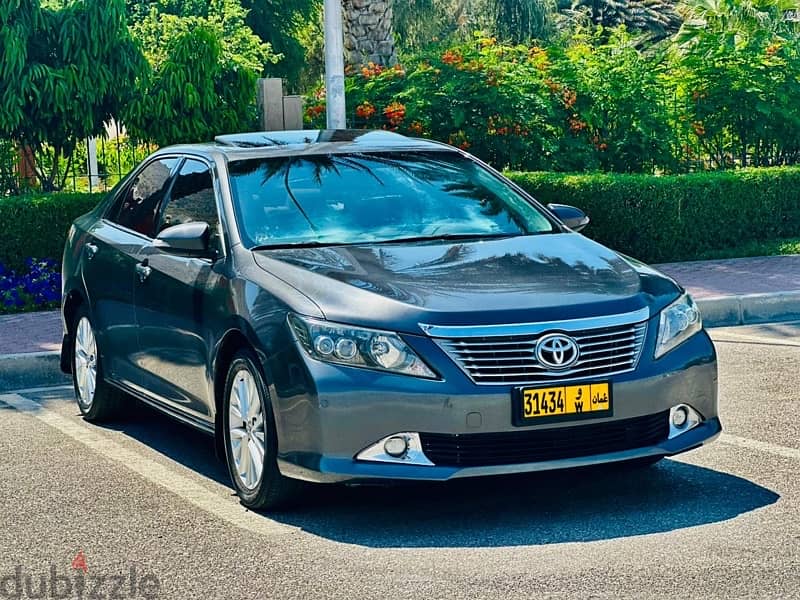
x,y
262,144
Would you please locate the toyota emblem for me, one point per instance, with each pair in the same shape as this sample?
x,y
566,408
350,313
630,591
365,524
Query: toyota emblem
x,y
557,351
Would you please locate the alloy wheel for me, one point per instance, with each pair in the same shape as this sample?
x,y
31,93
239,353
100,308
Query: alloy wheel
x,y
247,429
85,359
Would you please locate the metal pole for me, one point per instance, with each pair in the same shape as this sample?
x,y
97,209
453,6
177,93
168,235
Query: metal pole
x,y
334,65
91,163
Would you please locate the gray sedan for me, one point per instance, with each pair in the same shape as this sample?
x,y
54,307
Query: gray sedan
x,y
357,306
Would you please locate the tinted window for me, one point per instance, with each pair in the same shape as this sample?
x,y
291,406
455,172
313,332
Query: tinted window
x,y
138,206
192,199
374,197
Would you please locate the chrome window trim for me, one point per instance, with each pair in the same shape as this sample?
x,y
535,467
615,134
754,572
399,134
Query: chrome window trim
x,y
469,331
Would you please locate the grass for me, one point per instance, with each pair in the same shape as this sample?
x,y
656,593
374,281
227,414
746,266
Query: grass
x,y
754,248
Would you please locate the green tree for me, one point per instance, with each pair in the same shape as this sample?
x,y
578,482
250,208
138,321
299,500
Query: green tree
x,y
167,20
737,79
615,101
204,70
65,72
279,22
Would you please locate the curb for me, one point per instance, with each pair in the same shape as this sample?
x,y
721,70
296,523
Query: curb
x,y
749,309
19,371
37,369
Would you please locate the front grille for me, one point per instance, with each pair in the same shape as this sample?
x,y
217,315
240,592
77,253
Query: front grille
x,y
527,446
511,359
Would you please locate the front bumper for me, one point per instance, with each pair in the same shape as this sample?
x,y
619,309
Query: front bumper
x,y
326,415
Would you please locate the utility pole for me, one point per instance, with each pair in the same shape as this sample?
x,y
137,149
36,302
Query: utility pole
x,y
334,65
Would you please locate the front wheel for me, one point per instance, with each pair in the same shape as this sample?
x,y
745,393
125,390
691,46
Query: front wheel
x,y
251,442
97,400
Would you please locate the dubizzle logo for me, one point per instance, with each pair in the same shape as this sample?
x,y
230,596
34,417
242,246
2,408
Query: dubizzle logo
x,y
78,583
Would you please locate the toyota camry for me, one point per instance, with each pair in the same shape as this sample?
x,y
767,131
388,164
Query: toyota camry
x,y
352,306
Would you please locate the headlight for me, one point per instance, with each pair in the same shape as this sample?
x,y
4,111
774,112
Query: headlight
x,y
677,323
358,347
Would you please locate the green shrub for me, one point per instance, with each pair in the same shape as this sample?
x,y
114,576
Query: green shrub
x,y
597,104
36,226
678,217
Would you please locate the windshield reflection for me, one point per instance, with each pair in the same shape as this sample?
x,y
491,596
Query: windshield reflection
x,y
374,197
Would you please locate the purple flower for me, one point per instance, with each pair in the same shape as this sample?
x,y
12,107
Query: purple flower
x,y
37,288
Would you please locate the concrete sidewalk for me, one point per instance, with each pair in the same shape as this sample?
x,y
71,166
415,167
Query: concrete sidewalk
x,y
729,292
742,291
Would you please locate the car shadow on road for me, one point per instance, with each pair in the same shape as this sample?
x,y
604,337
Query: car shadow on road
x,y
189,447
581,505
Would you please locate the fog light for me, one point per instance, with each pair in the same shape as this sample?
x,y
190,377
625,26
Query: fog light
x,y
679,416
396,446
682,418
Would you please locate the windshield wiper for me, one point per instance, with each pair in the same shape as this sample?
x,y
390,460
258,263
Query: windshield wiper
x,y
449,237
402,240
309,244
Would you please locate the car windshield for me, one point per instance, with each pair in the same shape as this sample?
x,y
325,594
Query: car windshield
x,y
375,197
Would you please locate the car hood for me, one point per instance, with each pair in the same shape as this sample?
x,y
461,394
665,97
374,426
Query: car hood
x,y
511,280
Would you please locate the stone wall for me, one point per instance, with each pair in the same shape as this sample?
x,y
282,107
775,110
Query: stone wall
x,y
368,32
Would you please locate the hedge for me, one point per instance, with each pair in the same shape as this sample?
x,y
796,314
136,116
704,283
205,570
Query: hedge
x,y
655,219
671,218
36,226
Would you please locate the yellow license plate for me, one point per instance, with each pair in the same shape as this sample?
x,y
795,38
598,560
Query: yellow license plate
x,y
591,399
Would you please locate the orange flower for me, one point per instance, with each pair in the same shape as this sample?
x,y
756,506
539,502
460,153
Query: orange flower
x,y
576,125
315,111
417,128
538,57
569,98
365,110
772,49
395,113
371,70
452,57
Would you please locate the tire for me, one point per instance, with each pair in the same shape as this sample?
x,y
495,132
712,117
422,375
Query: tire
x,y
97,400
250,435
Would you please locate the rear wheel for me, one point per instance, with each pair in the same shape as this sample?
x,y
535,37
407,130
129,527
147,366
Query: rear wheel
x,y
97,400
251,442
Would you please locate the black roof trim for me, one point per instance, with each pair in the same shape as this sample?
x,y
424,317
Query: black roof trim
x,y
276,139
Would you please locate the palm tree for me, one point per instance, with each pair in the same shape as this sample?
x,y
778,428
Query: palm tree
x,y
369,32
658,19
739,20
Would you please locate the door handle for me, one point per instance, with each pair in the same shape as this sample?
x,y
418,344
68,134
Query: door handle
x,y
143,271
91,250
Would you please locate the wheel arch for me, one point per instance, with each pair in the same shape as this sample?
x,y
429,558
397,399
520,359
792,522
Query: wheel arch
x,y
73,300
235,339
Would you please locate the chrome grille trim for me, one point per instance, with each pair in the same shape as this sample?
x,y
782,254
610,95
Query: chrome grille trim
x,y
510,359
521,329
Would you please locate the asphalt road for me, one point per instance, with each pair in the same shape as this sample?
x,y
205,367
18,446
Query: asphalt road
x,y
153,515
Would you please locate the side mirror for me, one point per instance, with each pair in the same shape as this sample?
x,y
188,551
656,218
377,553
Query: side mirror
x,y
186,239
572,217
